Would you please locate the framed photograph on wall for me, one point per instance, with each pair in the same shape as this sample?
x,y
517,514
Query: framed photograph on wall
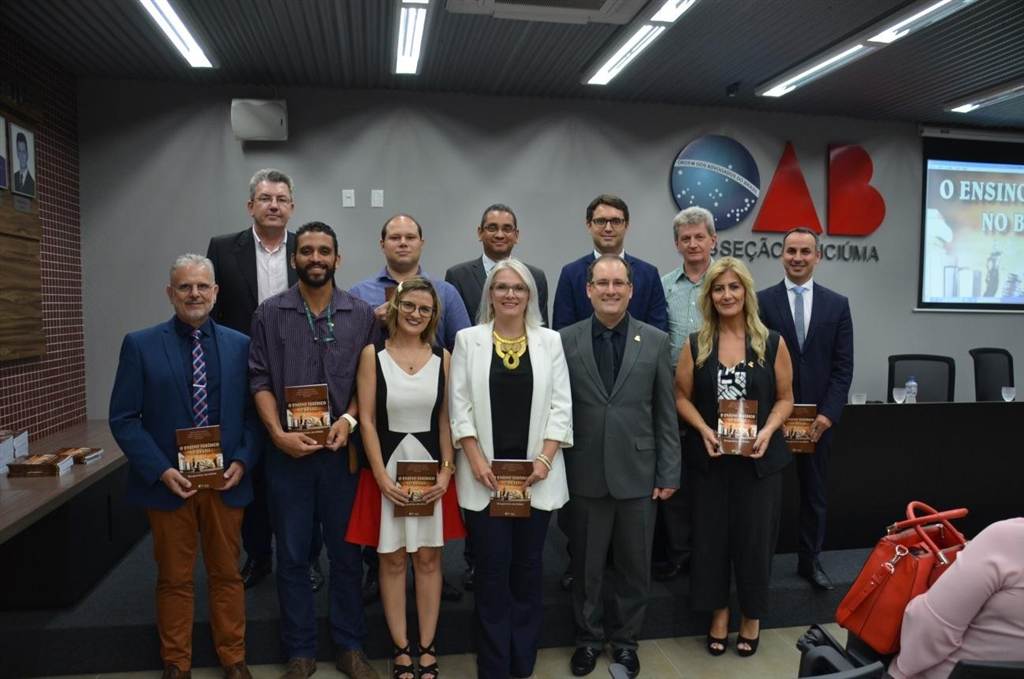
x,y
3,154
23,161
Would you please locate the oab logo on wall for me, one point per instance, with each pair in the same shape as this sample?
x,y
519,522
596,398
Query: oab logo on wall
x,y
719,174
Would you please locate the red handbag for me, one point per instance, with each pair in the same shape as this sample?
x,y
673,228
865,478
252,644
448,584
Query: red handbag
x,y
905,562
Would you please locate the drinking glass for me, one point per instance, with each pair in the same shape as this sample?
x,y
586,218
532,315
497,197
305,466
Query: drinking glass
x,y
858,399
1009,393
899,394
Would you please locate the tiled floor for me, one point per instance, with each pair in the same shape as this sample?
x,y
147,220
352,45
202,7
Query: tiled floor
x,y
776,658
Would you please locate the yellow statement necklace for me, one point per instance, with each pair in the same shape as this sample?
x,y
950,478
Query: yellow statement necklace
x,y
509,350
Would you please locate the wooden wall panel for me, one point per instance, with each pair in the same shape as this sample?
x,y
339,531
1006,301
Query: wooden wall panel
x,y
21,299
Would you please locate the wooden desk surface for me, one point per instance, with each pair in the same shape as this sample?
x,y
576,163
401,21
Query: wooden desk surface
x,y
23,501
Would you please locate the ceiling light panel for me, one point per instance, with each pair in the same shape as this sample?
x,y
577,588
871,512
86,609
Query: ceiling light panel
x,y
174,28
412,24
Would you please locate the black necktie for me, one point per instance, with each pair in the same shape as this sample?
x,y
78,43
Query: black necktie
x,y
606,360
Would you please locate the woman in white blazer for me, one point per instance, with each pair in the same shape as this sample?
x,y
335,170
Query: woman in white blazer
x,y
509,398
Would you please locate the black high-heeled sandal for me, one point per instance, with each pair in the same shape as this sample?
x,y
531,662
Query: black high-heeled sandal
x,y
723,642
431,670
751,643
402,671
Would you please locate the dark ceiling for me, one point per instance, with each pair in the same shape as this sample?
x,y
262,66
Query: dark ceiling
x,y
348,44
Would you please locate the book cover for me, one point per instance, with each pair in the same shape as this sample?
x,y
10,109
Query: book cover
x,y
39,465
737,426
415,476
512,498
81,455
797,428
308,410
200,458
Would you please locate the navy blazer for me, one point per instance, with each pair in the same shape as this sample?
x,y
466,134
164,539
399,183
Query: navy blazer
x,y
572,304
823,369
150,400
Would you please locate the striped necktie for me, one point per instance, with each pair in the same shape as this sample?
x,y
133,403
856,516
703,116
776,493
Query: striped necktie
x,y
200,416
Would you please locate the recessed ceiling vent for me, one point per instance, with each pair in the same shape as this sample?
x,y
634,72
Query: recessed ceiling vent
x,y
555,11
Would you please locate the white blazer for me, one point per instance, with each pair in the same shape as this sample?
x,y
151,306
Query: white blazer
x,y
469,406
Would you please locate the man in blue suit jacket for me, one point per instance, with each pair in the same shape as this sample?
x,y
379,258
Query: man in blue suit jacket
x,y
821,345
179,374
607,221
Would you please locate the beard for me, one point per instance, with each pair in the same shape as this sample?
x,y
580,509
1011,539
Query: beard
x,y
308,278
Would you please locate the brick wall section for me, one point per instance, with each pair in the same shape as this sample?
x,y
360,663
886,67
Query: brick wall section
x,y
47,395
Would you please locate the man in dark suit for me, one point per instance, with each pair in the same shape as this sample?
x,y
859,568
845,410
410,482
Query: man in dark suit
x,y
625,457
818,329
252,265
183,373
498,233
23,181
607,222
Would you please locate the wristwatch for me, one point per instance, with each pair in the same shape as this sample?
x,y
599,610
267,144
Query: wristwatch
x,y
352,422
449,465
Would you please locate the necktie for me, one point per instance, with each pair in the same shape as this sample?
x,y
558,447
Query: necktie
x,y
200,416
606,360
798,314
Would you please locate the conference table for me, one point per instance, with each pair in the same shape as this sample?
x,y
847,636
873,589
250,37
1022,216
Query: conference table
x,y
945,454
59,535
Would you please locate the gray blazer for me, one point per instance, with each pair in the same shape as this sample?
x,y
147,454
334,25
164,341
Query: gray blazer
x,y
626,442
468,278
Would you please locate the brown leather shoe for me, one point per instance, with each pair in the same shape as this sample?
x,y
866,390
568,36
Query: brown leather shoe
x,y
355,665
299,668
237,671
172,672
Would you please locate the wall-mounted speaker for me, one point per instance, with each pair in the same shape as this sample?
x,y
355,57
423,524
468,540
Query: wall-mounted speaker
x,y
259,119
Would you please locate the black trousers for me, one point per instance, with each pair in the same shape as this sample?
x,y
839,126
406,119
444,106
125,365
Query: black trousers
x,y
509,578
812,470
735,530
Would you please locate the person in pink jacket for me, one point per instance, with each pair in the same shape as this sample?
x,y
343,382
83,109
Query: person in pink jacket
x,y
974,611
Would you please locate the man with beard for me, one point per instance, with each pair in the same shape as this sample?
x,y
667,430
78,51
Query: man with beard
x,y
312,334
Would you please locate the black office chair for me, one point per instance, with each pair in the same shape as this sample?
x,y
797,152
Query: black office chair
x,y
987,669
935,375
993,370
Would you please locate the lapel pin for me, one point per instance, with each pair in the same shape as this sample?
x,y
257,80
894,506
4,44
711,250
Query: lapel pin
x,y
750,364
636,338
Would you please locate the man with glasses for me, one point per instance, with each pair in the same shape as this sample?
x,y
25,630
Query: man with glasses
x,y
251,266
607,222
624,457
401,241
312,334
498,234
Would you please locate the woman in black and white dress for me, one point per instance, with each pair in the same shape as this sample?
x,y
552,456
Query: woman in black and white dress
x,y
403,414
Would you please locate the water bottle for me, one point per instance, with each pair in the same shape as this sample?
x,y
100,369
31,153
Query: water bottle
x,y
911,387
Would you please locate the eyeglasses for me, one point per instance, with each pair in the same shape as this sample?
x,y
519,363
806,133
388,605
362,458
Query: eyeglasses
x,y
616,284
506,229
615,222
186,288
407,307
502,289
264,199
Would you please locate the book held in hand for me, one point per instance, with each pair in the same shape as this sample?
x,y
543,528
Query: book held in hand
x,y
200,458
415,477
512,498
797,428
308,410
81,455
737,426
39,465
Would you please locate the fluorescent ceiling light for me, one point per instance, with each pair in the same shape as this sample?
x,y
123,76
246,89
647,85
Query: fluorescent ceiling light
x,y
994,95
176,31
672,10
637,43
411,22
874,37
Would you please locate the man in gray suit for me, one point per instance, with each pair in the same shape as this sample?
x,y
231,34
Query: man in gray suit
x,y
626,456
498,233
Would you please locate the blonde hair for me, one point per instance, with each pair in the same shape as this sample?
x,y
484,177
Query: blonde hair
x,y
532,317
755,329
412,285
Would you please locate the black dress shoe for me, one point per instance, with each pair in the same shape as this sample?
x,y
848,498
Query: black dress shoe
x,y
371,587
469,578
627,658
812,572
316,577
566,581
584,660
450,592
670,570
255,570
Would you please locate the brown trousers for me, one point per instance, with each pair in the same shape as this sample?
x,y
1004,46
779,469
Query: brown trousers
x,y
176,535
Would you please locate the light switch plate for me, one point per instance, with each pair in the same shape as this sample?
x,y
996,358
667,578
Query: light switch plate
x,y
348,198
377,198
